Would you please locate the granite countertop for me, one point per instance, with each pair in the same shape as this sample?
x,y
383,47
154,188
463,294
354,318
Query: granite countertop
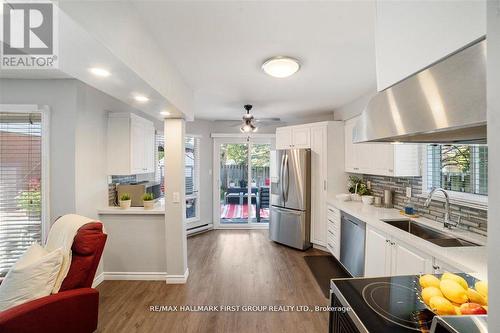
x,y
472,260
159,209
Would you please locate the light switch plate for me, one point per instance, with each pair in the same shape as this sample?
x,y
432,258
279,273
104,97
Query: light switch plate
x,y
176,197
408,192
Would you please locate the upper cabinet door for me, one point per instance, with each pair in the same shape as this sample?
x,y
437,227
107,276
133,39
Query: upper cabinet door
x,y
137,146
384,159
301,137
283,138
411,35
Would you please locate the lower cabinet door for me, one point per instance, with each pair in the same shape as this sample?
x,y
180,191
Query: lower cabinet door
x,y
441,267
408,261
377,255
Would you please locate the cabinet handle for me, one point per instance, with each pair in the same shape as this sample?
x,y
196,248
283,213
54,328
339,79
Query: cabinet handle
x,y
392,243
436,267
387,241
391,170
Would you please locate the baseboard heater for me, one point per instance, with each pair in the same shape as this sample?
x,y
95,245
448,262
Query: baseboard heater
x,y
199,228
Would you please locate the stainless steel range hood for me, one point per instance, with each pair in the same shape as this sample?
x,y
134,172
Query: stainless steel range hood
x,y
444,103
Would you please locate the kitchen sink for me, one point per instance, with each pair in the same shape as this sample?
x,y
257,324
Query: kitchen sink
x,y
429,234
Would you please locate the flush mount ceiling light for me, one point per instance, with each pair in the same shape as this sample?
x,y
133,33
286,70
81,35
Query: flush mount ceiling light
x,y
99,72
165,113
141,98
248,125
281,67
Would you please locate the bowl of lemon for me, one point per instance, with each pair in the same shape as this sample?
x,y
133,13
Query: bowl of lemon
x,y
453,294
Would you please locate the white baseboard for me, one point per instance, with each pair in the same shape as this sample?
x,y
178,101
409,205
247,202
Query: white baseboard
x,y
98,280
135,276
321,247
178,279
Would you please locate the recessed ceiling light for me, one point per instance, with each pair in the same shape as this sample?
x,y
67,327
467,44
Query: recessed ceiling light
x,y
165,113
99,72
141,98
281,67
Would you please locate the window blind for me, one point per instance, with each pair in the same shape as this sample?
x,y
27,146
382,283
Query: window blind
x,y
20,185
192,165
160,161
460,168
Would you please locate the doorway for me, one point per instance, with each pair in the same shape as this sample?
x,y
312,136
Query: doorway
x,y
242,182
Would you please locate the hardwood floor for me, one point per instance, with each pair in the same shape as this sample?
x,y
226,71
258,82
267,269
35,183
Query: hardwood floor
x,y
227,267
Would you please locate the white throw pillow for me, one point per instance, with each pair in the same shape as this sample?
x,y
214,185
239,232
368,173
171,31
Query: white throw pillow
x,y
32,276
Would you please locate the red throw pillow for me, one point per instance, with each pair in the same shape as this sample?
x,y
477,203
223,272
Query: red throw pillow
x,y
87,246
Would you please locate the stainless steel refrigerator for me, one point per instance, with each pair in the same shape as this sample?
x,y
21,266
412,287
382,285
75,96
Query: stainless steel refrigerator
x,y
290,220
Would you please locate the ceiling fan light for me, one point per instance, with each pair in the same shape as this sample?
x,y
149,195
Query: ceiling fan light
x,y
246,128
281,67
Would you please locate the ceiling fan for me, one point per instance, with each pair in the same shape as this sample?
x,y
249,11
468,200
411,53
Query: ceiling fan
x,y
250,124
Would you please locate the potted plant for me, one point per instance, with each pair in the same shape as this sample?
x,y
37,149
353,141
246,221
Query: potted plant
x,y
354,187
125,201
148,200
366,194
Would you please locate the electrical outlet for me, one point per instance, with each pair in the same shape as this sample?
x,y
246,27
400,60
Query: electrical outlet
x,y
408,192
368,184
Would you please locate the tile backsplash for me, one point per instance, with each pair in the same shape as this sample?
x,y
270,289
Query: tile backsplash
x,y
472,219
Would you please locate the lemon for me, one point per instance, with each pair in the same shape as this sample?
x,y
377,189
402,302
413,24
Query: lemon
x,y
441,306
482,288
459,279
428,280
453,291
429,292
476,297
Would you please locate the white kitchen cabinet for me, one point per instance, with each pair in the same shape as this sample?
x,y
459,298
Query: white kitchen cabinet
x,y
412,35
378,253
386,255
301,137
326,141
284,138
131,144
333,231
318,139
407,260
441,267
293,137
385,159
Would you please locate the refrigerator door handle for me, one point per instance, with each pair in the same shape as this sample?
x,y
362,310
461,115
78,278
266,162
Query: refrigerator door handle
x,y
287,170
282,177
287,211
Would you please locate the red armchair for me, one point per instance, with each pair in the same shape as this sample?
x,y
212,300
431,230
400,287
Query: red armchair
x,y
75,308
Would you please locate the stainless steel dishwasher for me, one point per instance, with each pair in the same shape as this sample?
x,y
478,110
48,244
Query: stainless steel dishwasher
x,y
352,244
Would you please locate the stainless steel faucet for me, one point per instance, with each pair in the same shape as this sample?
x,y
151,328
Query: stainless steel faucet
x,y
447,223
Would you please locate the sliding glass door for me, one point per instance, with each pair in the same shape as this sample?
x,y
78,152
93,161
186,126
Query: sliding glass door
x,y
242,178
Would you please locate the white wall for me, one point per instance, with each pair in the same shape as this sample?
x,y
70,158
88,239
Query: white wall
x,y
78,180
493,83
60,96
352,109
410,35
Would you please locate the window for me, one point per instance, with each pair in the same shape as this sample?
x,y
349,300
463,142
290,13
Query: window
x,y
21,184
458,168
160,161
192,176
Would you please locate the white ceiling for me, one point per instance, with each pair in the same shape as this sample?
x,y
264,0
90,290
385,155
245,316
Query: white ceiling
x,y
218,48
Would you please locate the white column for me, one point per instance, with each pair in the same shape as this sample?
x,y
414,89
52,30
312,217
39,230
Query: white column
x,y
175,202
493,93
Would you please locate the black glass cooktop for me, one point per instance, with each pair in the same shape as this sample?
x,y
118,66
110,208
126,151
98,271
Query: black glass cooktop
x,y
388,304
